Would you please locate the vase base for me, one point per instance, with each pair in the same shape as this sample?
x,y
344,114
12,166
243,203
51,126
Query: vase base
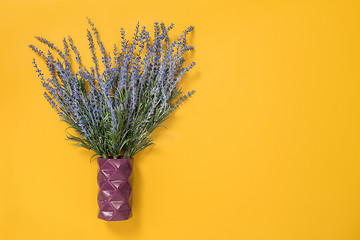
x,y
111,217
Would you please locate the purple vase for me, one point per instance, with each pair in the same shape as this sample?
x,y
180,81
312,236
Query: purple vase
x,y
115,183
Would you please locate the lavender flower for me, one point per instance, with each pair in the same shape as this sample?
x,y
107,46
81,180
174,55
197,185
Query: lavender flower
x,y
115,112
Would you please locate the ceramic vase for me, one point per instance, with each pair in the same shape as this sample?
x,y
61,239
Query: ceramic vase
x,y
115,184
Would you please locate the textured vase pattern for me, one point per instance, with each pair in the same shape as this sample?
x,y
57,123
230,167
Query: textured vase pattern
x,y
115,183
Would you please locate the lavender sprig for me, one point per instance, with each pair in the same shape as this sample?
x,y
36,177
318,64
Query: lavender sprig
x,y
114,113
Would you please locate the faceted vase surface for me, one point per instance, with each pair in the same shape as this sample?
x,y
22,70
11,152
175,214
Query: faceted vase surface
x,y
115,183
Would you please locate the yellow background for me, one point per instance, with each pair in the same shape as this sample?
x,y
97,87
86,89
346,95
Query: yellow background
x,y
267,149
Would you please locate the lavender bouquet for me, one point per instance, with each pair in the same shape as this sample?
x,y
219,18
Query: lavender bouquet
x,y
115,111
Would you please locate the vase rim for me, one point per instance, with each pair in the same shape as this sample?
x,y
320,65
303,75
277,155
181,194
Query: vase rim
x,y
115,158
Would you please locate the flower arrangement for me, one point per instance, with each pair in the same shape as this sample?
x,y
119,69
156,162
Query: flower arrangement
x,y
116,110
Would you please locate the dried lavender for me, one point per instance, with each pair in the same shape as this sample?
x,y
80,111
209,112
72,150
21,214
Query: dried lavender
x,y
115,112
